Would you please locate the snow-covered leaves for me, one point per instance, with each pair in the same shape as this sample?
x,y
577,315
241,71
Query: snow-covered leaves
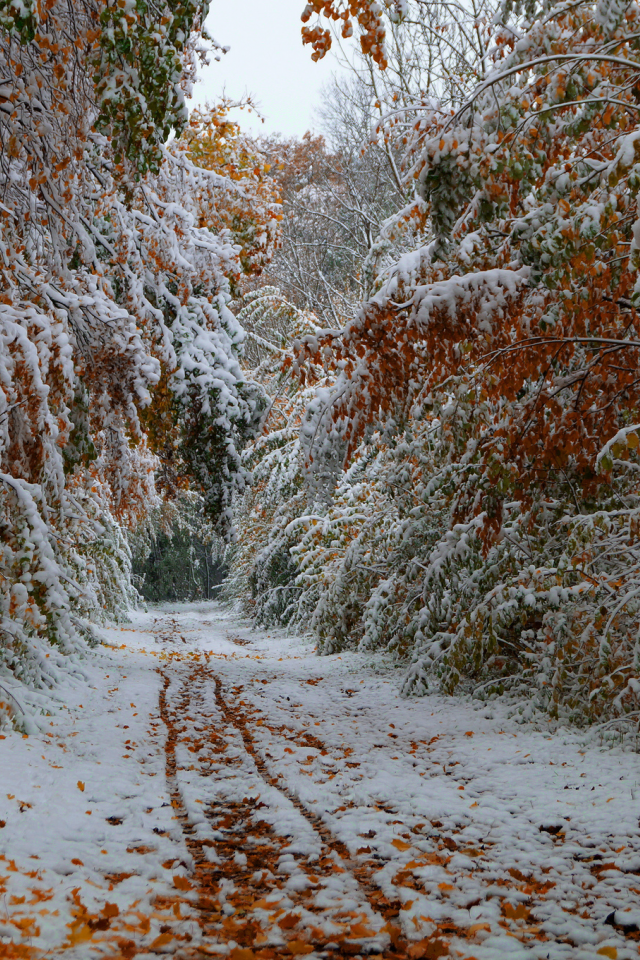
x,y
117,342
471,471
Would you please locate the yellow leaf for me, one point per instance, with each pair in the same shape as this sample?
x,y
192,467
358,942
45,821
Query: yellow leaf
x,y
80,933
299,948
81,786
242,953
610,952
359,930
161,941
400,845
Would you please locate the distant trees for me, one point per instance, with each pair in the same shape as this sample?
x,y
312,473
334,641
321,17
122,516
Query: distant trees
x,y
176,554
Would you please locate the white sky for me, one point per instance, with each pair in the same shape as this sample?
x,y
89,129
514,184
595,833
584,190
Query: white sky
x,y
266,59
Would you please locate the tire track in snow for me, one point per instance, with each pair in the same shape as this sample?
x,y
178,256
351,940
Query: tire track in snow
x,y
389,910
558,910
239,831
195,846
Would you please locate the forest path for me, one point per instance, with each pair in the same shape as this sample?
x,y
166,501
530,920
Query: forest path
x,y
289,805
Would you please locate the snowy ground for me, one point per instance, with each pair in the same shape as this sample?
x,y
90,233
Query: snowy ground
x,y
218,791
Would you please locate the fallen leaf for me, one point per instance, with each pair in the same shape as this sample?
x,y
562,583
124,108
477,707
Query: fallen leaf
x,y
182,883
400,845
161,941
428,950
608,952
359,930
80,933
81,786
77,862
299,948
519,912
242,953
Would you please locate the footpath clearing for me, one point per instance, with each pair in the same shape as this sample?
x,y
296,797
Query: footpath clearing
x,y
213,790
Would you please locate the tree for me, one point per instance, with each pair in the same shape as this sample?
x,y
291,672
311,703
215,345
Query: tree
x,y
116,270
508,343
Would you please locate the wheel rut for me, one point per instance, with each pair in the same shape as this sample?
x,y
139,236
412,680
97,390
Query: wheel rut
x,y
242,898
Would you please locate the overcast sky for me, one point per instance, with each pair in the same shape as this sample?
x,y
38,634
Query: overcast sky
x,y
266,59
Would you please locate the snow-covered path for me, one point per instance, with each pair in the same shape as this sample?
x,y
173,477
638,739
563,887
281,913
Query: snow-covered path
x,y
212,790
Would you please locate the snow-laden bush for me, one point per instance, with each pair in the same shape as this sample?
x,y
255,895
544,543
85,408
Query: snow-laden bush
x,y
547,612
118,351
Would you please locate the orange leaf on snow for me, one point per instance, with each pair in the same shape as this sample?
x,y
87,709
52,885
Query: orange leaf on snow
x,y
27,926
110,910
429,950
242,953
81,786
182,883
80,933
358,930
265,904
289,921
519,912
39,896
299,948
77,862
161,941
610,952
400,845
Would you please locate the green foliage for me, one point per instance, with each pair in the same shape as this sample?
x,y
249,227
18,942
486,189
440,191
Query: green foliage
x,y
176,553
178,567
18,17
138,69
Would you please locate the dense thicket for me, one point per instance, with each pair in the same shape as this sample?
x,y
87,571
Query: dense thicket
x,y
467,485
418,428
119,356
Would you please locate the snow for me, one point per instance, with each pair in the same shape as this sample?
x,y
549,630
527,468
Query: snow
x,y
216,788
